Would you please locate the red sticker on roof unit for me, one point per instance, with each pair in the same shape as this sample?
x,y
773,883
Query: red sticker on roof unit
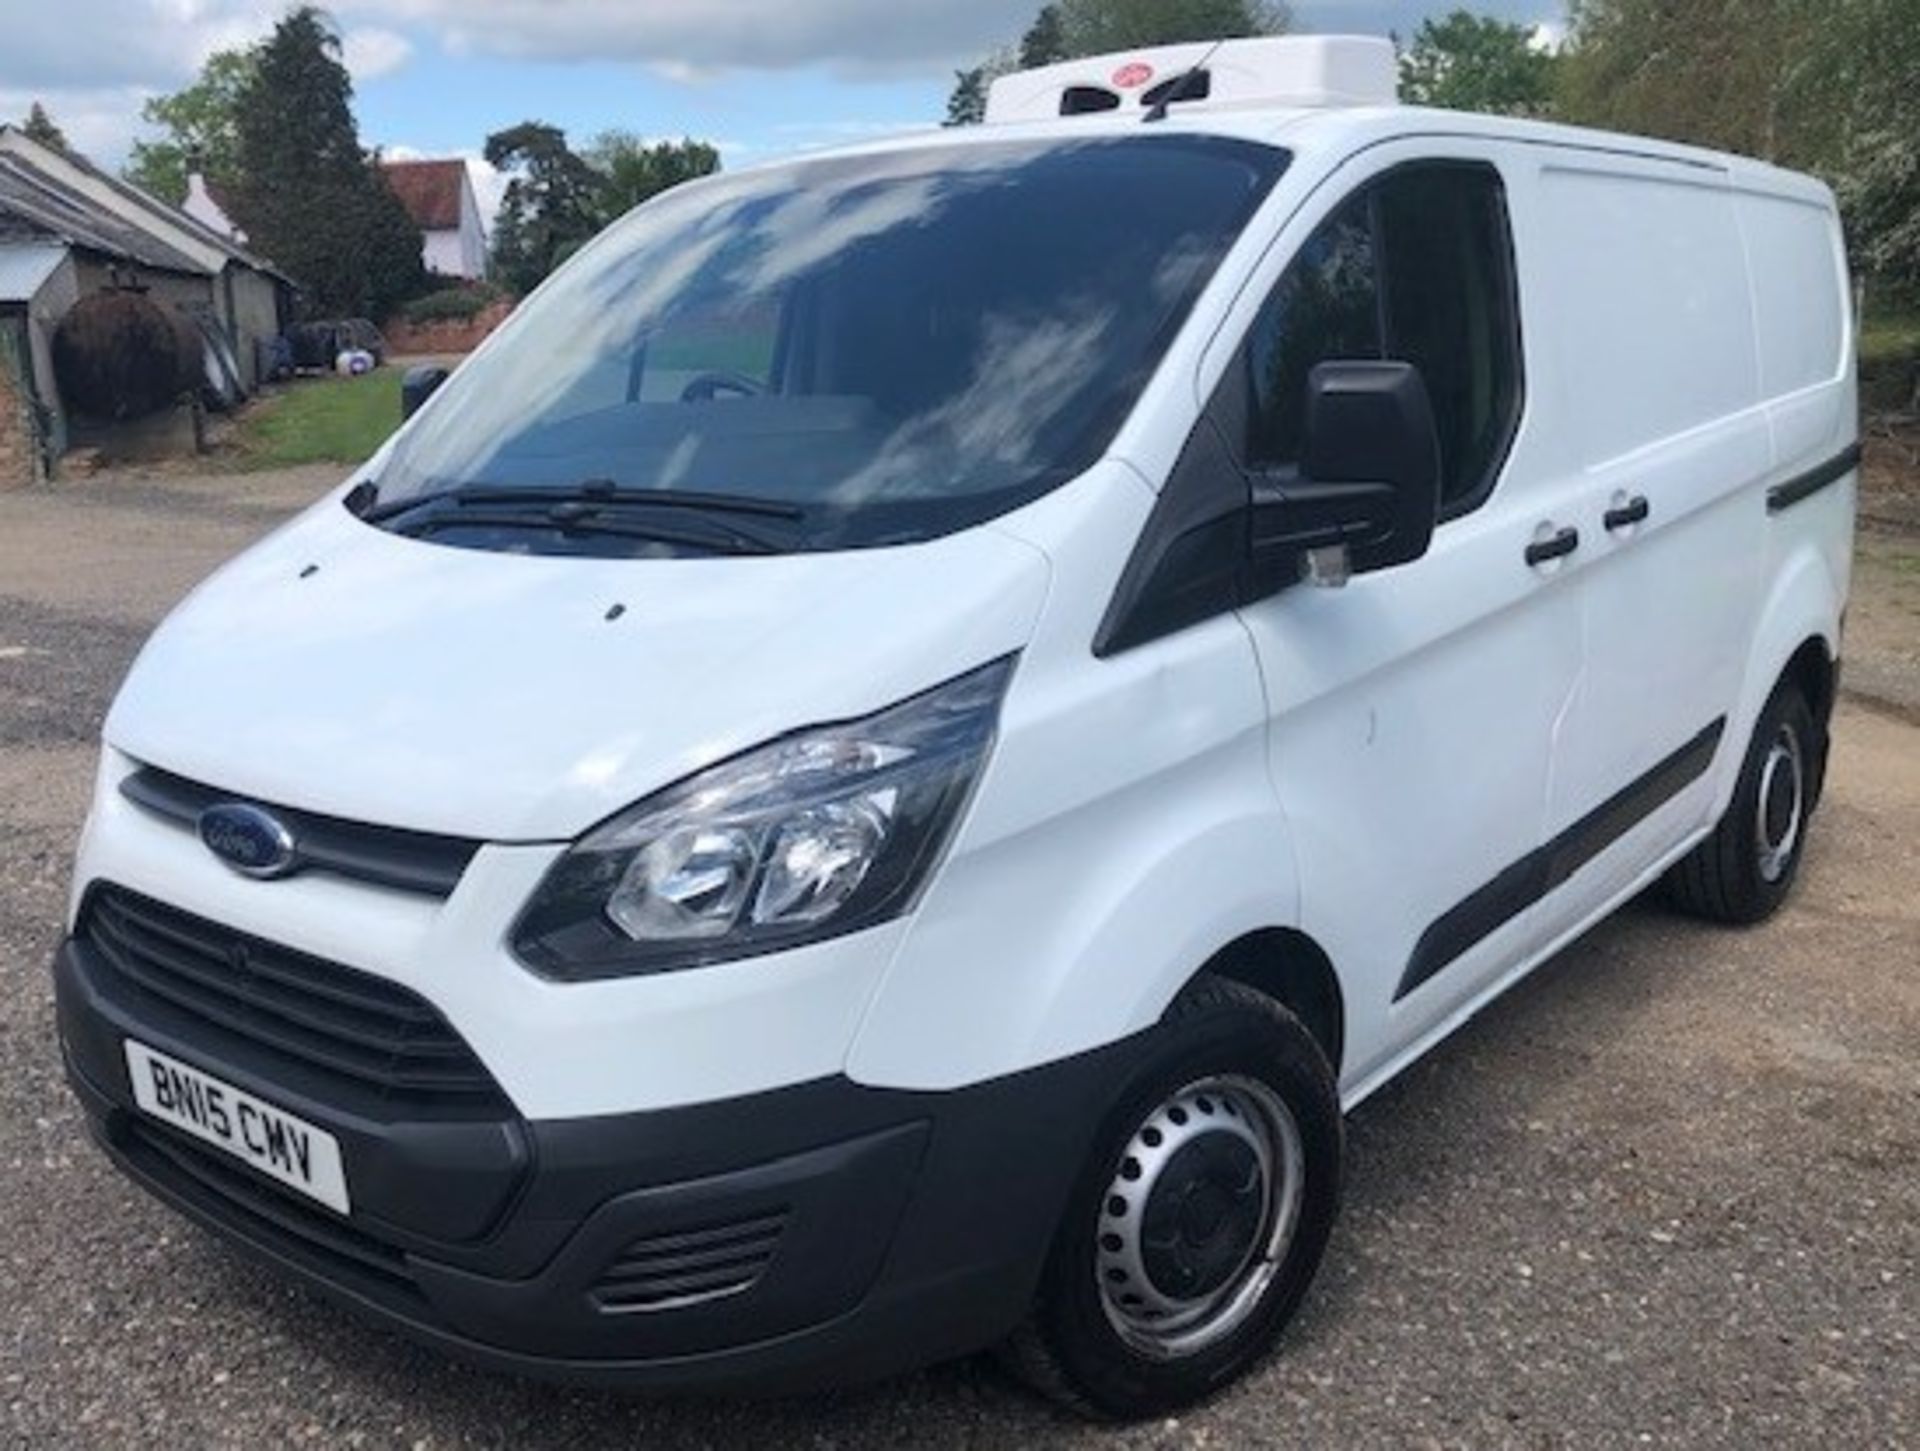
x,y
1133,73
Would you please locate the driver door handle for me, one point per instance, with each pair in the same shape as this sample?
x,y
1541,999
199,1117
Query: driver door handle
x,y
1632,511
1555,546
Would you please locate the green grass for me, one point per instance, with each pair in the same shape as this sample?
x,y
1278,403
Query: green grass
x,y
320,420
1889,338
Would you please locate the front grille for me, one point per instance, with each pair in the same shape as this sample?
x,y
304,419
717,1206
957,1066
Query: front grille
x,y
349,1024
411,861
673,1271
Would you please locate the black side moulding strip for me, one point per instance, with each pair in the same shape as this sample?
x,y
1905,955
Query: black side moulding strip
x,y
1488,908
1805,485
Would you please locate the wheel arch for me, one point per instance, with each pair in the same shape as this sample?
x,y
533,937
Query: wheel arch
x,y
1813,668
1796,639
1286,965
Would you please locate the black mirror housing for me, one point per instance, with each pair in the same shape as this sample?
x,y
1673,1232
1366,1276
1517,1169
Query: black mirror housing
x,y
418,386
1369,477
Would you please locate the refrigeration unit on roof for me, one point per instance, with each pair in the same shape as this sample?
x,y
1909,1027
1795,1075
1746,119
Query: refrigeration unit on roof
x,y
1271,71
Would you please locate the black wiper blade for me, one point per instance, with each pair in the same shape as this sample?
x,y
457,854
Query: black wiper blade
x,y
589,514
375,512
605,490
562,519
591,491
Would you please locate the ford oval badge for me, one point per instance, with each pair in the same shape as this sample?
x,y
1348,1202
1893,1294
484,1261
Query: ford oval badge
x,y
253,841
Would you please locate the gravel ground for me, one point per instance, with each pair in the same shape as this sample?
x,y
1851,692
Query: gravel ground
x,y
1667,1191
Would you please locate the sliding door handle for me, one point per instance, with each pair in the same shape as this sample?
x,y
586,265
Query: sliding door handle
x,y
1627,513
1554,546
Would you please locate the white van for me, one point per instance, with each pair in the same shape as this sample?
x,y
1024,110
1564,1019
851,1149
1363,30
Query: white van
x,y
871,776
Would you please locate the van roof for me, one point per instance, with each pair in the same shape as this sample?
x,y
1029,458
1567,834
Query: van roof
x,y
1305,93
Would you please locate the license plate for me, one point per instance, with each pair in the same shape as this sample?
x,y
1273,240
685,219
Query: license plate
x,y
272,1140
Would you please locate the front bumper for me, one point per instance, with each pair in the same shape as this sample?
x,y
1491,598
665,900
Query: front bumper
x,y
871,1230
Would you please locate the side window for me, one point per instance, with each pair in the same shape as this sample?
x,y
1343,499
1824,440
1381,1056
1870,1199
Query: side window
x,y
1326,305
1447,261
1427,279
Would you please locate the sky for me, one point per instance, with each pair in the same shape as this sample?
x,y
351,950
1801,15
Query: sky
x,y
757,78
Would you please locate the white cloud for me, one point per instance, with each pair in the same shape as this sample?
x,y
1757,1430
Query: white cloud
x,y
94,69
682,73
705,35
155,44
159,45
96,121
489,188
371,52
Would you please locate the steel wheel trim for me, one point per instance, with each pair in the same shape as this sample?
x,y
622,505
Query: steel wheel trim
x,y
1199,1215
1781,805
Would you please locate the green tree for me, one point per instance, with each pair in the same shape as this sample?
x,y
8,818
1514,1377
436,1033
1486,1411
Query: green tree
x,y
201,129
967,103
40,127
1825,86
1867,63
1045,42
553,204
633,171
1469,62
1094,27
308,196
1721,75
1069,28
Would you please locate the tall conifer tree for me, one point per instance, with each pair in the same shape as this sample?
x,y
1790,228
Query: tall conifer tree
x,y
310,198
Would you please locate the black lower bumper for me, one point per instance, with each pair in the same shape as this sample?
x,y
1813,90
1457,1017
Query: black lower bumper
x,y
818,1234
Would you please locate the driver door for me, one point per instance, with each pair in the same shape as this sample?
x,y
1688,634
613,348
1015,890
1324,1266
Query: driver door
x,y
1414,711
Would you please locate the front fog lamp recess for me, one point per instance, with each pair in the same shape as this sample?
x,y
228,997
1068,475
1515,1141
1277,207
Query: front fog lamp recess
x,y
824,832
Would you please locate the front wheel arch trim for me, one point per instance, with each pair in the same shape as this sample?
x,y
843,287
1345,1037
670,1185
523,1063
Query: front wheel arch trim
x,y
1288,966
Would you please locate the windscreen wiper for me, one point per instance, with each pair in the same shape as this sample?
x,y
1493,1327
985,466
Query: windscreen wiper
x,y
584,504
591,492
566,518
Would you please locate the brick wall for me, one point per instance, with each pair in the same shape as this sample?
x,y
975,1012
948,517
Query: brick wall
x,y
405,338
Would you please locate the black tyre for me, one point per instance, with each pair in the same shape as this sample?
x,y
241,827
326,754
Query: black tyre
x,y
1199,1217
1743,871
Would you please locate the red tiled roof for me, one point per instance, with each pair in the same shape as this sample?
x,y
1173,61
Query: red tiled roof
x,y
429,190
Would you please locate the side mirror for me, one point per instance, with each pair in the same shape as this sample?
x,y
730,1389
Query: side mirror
x,y
1368,487
418,386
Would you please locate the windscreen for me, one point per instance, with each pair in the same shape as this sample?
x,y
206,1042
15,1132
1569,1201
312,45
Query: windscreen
x,y
887,347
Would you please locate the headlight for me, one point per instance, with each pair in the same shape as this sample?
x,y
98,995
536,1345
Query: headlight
x,y
811,836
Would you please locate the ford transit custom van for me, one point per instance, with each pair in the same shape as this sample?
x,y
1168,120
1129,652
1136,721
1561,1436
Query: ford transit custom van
x,y
870,777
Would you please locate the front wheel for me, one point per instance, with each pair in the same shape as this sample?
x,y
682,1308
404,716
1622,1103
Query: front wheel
x,y
1200,1215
